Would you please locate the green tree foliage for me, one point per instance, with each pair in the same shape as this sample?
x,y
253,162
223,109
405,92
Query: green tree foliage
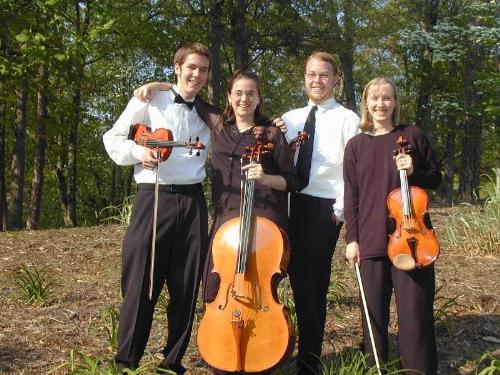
x,y
94,53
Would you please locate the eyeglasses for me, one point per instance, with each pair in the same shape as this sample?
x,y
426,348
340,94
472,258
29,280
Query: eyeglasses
x,y
311,76
249,94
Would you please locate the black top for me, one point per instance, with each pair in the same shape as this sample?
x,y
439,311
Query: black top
x,y
370,174
228,145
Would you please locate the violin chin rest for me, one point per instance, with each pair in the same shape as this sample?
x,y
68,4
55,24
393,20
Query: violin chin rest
x,y
404,262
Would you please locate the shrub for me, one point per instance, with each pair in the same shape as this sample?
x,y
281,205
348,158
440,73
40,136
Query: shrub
x,y
475,229
35,285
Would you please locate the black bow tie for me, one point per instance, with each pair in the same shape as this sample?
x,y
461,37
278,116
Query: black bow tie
x,y
179,99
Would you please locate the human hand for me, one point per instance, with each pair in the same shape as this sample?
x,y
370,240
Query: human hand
x,y
280,123
254,171
149,159
352,254
335,219
146,92
404,162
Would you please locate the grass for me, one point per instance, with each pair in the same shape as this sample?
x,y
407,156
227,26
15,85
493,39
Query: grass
x,y
111,327
474,229
120,214
35,285
79,363
162,306
353,362
493,367
443,310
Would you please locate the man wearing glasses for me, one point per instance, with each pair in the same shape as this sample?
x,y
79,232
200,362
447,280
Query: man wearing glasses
x,y
316,211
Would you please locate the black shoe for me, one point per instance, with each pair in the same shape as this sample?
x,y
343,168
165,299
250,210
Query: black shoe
x,y
164,368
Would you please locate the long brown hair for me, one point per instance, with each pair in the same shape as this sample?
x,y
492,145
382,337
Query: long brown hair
x,y
228,116
366,123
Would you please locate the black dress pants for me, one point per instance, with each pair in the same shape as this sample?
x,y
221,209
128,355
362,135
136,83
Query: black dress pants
x,y
313,235
181,246
414,292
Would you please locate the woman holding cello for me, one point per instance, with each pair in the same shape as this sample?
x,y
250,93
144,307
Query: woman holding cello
x,y
235,135
371,172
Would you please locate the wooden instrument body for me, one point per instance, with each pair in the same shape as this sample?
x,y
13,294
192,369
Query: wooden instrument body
x,y
245,328
413,243
161,140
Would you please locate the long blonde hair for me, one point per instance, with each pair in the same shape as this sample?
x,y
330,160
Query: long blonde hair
x,y
366,123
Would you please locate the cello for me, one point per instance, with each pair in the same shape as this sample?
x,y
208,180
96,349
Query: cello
x,y
413,244
245,328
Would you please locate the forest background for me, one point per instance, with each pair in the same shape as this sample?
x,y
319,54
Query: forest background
x,y
68,68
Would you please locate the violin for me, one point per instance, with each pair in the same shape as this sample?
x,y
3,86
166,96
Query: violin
x,y
299,140
246,328
413,244
162,140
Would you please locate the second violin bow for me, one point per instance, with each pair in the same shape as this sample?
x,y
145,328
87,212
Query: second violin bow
x,y
368,322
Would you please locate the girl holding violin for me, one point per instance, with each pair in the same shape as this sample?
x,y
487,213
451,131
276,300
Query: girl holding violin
x,y
371,172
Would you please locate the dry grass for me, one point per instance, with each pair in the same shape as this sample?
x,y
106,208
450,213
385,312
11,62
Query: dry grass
x,y
85,265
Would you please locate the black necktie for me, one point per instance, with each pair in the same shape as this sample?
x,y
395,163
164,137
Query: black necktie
x,y
306,149
180,100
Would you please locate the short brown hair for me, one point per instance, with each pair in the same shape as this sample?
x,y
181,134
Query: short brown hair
x,y
197,48
326,57
366,123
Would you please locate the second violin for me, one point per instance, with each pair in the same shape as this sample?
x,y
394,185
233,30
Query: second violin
x,y
413,244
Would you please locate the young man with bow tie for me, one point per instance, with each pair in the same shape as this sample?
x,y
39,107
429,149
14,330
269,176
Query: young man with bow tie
x,y
316,211
181,236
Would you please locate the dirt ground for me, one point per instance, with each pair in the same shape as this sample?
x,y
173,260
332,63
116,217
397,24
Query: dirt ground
x,y
85,264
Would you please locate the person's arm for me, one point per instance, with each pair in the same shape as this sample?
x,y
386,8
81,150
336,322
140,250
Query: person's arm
x,y
146,92
426,172
349,130
351,202
283,176
121,149
256,172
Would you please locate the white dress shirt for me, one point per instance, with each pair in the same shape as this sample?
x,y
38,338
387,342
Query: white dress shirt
x,y
160,112
335,125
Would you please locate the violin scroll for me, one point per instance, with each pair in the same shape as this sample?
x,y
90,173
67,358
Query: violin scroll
x,y
299,140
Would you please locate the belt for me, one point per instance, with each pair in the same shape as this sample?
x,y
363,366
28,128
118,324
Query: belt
x,y
191,188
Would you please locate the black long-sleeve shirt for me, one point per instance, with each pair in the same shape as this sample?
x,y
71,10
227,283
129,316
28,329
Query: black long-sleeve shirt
x,y
370,174
228,145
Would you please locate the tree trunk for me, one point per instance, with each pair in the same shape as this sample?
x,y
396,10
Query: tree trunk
x,y
215,41
423,112
33,221
19,158
446,188
3,190
62,185
72,147
347,55
347,61
473,122
240,34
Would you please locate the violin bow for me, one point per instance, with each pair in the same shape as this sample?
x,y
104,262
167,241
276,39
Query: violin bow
x,y
155,216
365,309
